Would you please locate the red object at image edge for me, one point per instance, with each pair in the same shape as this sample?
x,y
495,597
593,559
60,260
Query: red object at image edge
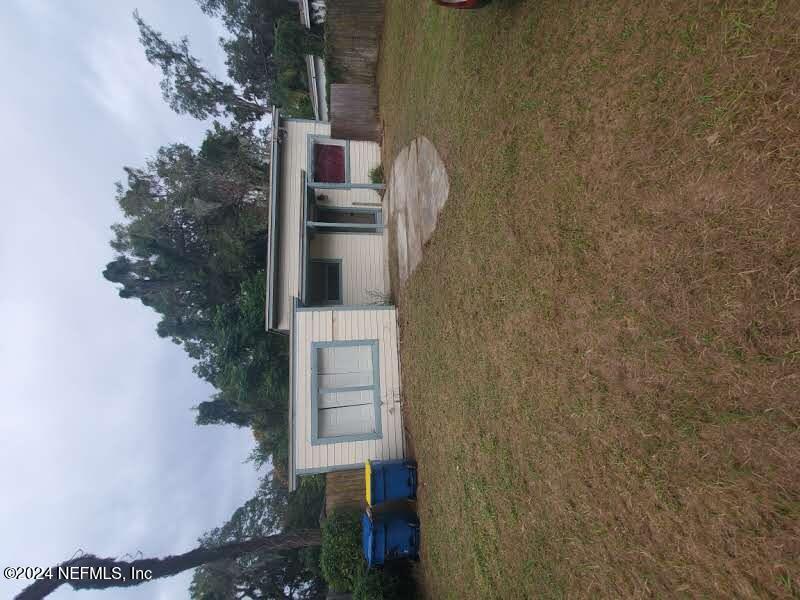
x,y
459,4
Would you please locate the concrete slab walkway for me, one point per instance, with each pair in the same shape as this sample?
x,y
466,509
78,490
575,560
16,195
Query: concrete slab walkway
x,y
416,192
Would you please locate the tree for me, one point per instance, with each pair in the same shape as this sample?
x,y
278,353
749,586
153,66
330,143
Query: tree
x,y
248,366
192,248
233,158
162,567
189,88
249,49
265,574
218,411
292,43
293,40
194,230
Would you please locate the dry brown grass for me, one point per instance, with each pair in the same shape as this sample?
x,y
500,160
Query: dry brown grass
x,y
601,349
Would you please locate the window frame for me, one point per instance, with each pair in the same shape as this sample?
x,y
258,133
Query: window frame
x,y
375,212
327,141
316,439
375,228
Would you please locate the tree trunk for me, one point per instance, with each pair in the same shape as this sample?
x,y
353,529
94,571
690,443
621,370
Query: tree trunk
x,y
156,567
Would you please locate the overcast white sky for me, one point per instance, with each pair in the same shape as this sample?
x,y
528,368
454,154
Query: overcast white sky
x,y
97,438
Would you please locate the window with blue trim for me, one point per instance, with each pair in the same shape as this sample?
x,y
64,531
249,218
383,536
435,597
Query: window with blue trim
x,y
328,161
346,391
325,281
344,214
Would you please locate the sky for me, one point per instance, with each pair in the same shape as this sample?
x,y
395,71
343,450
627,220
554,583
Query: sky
x,y
97,436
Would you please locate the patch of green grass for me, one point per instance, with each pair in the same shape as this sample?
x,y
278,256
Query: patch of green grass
x,y
627,31
510,158
789,584
789,509
732,416
689,37
529,105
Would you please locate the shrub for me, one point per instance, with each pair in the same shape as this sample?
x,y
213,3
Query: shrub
x,y
376,174
393,582
342,559
370,586
305,503
290,87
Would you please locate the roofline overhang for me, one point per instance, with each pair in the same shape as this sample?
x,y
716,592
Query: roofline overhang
x,y
305,251
291,471
272,236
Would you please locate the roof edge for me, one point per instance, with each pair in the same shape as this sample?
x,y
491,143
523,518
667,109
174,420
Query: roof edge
x,y
291,471
272,234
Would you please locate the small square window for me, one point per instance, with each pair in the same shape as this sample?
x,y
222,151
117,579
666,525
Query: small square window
x,y
329,163
325,282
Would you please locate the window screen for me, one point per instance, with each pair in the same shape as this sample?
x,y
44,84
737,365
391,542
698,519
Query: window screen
x,y
364,217
325,282
346,390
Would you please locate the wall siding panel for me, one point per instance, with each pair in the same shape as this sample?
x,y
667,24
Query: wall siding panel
x,y
290,195
328,325
363,275
363,156
301,416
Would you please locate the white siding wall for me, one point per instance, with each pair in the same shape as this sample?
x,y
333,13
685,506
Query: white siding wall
x,y
294,159
363,275
329,325
364,156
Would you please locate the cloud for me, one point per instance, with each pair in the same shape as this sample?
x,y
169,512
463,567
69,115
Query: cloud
x,y
39,12
97,436
124,85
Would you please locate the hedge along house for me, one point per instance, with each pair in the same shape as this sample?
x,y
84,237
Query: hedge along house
x,y
327,289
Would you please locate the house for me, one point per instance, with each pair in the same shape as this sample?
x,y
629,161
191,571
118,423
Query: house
x,y
327,289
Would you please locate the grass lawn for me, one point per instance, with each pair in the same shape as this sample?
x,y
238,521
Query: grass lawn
x,y
601,348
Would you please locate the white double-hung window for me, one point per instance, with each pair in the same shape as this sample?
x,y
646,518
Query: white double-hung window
x,y
345,392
